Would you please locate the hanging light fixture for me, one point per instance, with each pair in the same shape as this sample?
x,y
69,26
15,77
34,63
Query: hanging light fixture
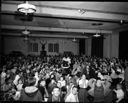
x,y
26,32
26,8
74,40
26,38
97,35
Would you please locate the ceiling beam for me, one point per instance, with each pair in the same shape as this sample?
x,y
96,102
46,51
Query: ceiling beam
x,y
63,18
44,35
15,27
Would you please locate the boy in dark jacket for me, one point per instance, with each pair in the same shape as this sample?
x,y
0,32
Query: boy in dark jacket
x,y
31,92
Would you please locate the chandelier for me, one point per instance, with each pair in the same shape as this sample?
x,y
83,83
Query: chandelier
x,y
26,8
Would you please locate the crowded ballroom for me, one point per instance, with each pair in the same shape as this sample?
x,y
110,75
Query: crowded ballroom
x,y
59,51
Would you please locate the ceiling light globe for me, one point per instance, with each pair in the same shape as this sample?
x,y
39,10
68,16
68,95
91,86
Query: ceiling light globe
x,y
26,8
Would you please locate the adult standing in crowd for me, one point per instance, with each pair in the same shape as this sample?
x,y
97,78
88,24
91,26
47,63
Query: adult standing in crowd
x,y
82,93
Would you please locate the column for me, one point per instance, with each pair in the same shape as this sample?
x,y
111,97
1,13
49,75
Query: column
x,y
111,45
115,44
88,44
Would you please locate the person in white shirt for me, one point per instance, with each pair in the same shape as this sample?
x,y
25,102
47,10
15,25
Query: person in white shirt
x,y
17,95
72,96
82,92
119,93
100,76
3,74
91,84
37,78
3,77
62,81
83,82
19,85
17,77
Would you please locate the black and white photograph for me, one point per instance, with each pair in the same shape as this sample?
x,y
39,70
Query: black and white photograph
x,y
64,51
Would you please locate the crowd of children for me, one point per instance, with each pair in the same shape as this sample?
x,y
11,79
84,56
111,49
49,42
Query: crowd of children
x,y
64,79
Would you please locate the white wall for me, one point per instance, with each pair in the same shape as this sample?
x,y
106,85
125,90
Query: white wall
x,y
18,44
